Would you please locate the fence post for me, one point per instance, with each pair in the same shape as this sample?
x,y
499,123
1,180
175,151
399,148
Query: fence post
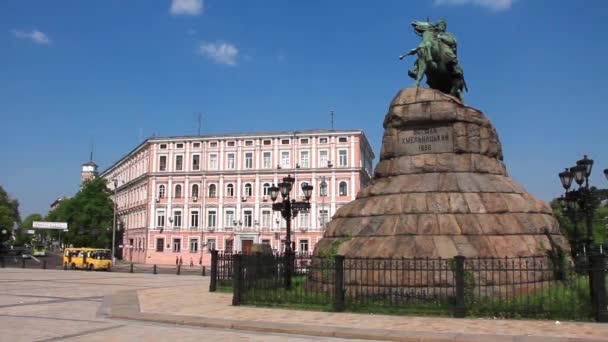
x,y
339,290
213,275
460,309
236,279
131,268
22,262
179,269
598,286
154,269
44,264
204,271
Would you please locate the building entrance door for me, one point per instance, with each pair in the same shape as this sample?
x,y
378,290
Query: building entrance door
x,y
246,246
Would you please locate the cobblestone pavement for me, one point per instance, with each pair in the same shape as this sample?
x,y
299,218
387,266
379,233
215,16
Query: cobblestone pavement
x,y
51,305
182,302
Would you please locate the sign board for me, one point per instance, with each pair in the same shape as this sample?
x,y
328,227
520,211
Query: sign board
x,y
426,139
30,231
49,225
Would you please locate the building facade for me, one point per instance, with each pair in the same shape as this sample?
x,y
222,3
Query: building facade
x,y
180,197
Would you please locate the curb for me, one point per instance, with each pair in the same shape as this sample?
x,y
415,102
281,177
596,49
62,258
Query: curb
x,y
125,305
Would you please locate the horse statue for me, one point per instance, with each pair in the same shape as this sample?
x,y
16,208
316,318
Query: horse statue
x,y
437,59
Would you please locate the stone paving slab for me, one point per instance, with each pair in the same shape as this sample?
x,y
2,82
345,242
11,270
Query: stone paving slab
x,y
195,306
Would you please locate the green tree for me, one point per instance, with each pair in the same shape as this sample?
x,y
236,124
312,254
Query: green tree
x,y
89,215
565,220
9,215
22,237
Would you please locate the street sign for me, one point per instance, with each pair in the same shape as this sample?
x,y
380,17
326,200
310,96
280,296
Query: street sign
x,y
30,231
49,225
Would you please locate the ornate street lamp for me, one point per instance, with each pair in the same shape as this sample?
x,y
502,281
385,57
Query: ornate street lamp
x,y
583,199
289,209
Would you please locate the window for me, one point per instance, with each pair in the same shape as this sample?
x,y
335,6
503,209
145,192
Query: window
x,y
266,160
160,244
160,218
163,146
322,140
194,218
228,246
211,218
303,141
180,145
229,218
248,160
179,163
162,163
323,216
212,190
213,144
230,190
213,161
267,142
343,189
178,191
265,242
177,218
343,139
266,216
342,158
248,190
285,142
230,143
323,188
194,190
323,158
196,145
177,245
304,218
266,189
193,245
248,218
161,191
230,161
211,244
196,162
285,159
303,158
249,143
303,246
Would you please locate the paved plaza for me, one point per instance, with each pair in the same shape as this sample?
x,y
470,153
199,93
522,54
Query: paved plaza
x,y
51,305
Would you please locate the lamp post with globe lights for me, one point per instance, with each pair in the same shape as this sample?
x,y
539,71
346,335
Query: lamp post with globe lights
x,y
289,208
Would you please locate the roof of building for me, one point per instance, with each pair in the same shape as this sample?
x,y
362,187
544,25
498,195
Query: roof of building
x,y
90,163
235,135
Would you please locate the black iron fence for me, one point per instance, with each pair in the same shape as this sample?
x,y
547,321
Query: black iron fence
x,y
161,269
520,287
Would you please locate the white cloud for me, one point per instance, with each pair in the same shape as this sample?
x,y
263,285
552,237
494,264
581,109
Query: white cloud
x,y
36,36
186,7
222,53
496,5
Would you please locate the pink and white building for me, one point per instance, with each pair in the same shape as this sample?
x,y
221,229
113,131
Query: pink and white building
x,y
182,196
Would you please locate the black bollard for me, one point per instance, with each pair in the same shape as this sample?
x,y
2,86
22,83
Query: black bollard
x,y
154,269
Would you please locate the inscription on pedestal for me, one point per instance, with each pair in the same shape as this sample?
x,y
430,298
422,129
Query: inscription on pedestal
x,y
425,139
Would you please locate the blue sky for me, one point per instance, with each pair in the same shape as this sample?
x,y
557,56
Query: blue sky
x,y
113,72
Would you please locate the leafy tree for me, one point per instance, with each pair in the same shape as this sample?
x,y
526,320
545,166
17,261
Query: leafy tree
x,y
9,215
89,215
22,236
565,220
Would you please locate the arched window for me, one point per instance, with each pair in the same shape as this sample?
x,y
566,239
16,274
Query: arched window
x,y
248,190
178,191
212,190
323,188
161,191
230,190
195,190
266,187
343,190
